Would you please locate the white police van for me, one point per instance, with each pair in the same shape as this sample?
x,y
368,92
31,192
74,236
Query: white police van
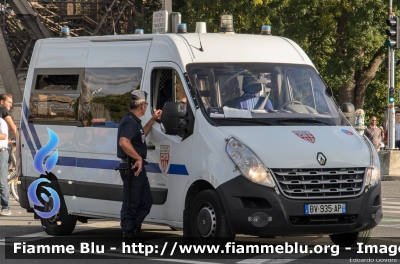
x,y
260,149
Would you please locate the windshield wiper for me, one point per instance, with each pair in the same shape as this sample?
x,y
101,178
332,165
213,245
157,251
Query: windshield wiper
x,y
247,120
301,120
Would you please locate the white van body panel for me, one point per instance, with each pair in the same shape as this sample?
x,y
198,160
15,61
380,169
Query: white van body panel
x,y
244,48
118,53
71,54
290,151
210,163
88,154
172,49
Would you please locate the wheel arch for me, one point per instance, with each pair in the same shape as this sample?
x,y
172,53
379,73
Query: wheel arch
x,y
195,188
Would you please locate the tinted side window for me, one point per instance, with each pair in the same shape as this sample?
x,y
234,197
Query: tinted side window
x,y
54,97
105,95
53,107
57,82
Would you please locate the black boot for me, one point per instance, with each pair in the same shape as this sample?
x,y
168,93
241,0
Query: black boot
x,y
137,238
127,237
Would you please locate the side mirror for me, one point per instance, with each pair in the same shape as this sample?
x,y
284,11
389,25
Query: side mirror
x,y
349,112
328,91
171,117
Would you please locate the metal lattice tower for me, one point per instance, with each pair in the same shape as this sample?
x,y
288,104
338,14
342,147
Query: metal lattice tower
x,y
22,22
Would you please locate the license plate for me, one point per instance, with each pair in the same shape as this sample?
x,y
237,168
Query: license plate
x,y
339,208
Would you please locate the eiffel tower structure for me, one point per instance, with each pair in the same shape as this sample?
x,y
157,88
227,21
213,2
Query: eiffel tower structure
x,y
23,22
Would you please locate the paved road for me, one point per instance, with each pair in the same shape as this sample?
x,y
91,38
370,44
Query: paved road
x,y
22,224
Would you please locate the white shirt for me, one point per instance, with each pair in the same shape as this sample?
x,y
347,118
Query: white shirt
x,y
397,131
3,130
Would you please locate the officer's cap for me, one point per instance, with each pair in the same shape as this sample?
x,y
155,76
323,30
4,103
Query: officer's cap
x,y
138,95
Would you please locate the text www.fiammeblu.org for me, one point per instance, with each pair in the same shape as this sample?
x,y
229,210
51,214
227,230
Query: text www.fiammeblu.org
x,y
228,248
233,248
286,248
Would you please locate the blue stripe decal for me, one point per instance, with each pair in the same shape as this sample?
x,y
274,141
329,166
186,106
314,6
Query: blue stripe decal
x,y
32,129
27,137
66,161
177,169
97,163
35,136
153,167
25,110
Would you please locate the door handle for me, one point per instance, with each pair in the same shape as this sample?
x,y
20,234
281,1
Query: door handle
x,y
151,146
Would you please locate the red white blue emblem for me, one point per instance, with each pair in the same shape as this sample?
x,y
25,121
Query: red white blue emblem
x,y
347,132
306,135
164,157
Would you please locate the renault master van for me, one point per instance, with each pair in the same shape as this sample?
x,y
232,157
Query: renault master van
x,y
251,140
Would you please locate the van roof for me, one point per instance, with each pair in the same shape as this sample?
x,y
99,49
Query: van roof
x,y
245,47
217,47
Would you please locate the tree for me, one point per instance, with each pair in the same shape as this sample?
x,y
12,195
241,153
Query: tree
x,y
343,38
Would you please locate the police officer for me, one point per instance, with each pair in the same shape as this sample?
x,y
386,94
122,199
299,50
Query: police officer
x,y
132,142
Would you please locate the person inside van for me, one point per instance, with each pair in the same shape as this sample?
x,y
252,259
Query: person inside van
x,y
250,99
181,96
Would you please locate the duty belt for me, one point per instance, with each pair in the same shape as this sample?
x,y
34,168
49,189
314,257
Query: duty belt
x,y
145,162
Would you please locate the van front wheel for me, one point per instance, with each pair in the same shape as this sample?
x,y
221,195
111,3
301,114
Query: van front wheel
x,y
351,239
208,220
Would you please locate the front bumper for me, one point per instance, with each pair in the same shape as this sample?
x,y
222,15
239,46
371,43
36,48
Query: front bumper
x,y
254,209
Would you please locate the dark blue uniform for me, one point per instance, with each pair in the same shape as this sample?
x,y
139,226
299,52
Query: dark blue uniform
x,y
141,200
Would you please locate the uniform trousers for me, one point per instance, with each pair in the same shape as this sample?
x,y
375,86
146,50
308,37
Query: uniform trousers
x,y
141,200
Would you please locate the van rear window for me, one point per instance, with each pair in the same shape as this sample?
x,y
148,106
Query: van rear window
x,y
57,82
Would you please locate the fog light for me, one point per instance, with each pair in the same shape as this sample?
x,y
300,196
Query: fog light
x,y
259,219
378,216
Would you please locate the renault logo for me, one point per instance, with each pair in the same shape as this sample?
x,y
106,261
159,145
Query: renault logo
x,y
321,159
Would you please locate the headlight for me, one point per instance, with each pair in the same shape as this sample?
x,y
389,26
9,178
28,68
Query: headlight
x,y
374,171
248,163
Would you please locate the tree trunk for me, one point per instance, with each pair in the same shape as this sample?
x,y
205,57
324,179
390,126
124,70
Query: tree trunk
x,y
365,79
346,93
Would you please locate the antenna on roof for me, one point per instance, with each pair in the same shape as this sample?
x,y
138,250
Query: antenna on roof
x,y
201,47
200,28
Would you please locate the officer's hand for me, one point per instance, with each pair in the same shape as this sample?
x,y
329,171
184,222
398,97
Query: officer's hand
x,y
157,115
138,164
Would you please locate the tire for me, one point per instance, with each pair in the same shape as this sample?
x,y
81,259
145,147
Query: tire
x,y
208,224
14,189
351,239
61,224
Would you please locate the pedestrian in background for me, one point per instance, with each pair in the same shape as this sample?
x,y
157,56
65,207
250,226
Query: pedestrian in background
x,y
374,133
4,189
6,103
397,130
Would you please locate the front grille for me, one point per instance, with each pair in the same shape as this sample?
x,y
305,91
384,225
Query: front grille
x,y
320,183
323,219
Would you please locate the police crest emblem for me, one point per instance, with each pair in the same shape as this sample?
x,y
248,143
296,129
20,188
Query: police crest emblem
x,y
164,157
306,135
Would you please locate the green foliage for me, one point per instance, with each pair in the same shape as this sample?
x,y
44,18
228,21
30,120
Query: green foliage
x,y
144,16
340,37
117,105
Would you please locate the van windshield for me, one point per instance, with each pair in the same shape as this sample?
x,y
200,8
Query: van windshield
x,y
285,94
